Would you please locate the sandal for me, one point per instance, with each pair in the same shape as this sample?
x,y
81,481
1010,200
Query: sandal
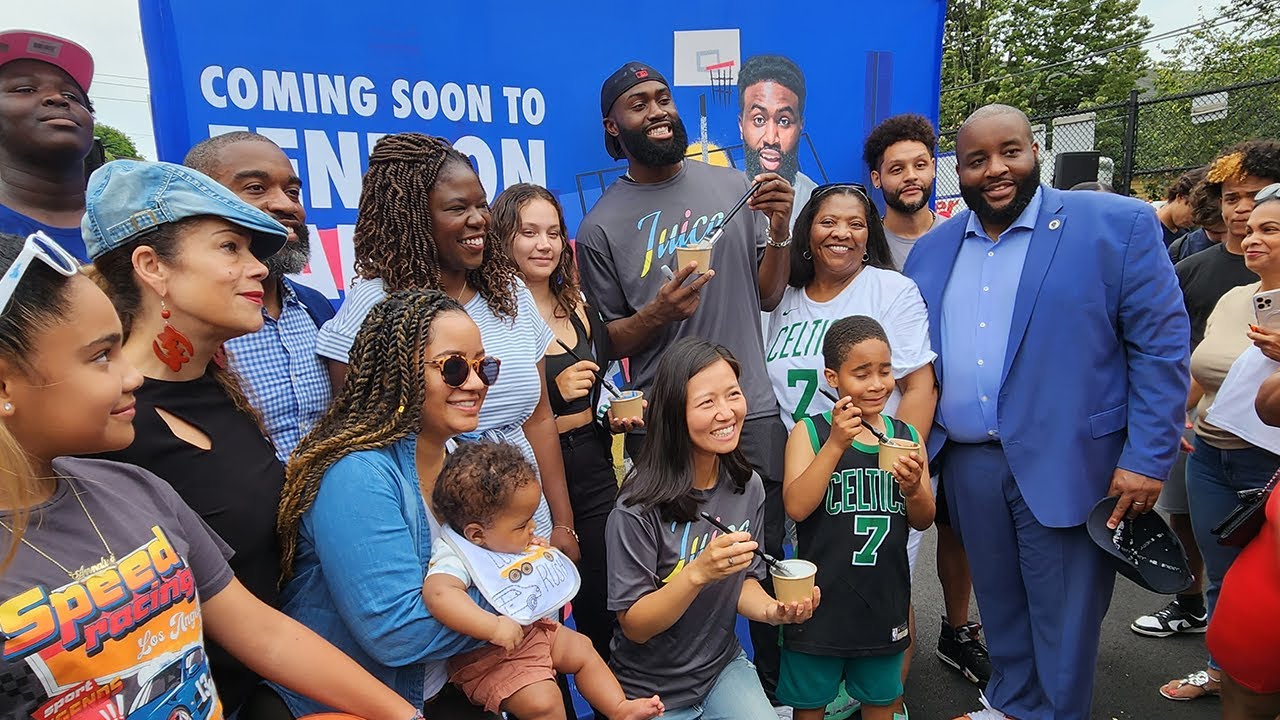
x,y
1196,685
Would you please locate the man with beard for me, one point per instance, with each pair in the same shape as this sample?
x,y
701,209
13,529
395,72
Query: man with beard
x,y
1064,371
46,132
628,240
899,152
771,94
286,380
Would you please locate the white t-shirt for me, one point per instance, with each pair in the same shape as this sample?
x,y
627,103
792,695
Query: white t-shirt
x,y
798,326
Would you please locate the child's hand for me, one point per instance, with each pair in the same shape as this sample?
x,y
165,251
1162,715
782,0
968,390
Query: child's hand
x,y
846,422
726,555
507,633
539,542
780,613
908,470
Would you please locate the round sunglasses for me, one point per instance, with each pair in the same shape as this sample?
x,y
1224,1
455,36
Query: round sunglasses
x,y
455,369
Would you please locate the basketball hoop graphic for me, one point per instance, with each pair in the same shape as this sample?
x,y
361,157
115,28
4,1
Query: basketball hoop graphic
x,y
721,81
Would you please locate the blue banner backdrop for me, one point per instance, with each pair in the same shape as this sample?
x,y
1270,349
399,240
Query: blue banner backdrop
x,y
517,90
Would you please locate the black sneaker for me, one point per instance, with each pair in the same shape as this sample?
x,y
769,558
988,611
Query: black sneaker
x,y
963,650
1171,620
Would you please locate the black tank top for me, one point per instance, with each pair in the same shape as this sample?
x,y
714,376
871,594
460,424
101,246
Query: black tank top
x,y
858,539
234,487
556,364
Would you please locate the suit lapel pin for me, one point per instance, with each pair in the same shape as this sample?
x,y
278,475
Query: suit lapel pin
x,y
1054,224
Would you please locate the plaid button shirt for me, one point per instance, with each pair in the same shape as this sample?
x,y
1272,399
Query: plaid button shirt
x,y
284,378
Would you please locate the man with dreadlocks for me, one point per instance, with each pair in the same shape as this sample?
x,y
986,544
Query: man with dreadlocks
x,y
424,223
629,238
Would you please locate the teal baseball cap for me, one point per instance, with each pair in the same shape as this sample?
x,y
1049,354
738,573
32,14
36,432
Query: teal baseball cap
x,y
130,198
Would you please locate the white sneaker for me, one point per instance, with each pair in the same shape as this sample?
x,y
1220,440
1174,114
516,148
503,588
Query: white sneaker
x,y
785,712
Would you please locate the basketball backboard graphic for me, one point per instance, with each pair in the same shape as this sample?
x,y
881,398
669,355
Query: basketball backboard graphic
x,y
703,57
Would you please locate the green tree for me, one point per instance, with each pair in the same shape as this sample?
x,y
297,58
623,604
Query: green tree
x,y
1040,56
1239,43
115,143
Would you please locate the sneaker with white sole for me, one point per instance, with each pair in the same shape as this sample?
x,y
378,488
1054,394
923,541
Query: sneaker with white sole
x,y
1171,620
986,713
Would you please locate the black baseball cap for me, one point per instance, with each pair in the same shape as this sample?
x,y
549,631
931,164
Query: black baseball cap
x,y
1143,549
622,80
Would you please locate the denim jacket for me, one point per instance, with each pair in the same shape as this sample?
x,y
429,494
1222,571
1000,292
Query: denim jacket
x,y
363,550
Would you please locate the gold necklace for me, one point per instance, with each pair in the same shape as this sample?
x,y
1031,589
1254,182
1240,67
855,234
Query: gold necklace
x,y
106,561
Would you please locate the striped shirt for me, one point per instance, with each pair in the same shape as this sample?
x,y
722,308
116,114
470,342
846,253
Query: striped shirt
x,y
519,342
284,378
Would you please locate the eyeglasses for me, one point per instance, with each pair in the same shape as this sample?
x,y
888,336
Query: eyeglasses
x,y
455,369
41,246
1267,193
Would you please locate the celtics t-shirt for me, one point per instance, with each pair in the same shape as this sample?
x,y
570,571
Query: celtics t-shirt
x,y
682,662
634,230
123,638
798,326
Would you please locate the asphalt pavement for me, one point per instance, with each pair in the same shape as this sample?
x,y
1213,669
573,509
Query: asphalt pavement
x,y
1131,667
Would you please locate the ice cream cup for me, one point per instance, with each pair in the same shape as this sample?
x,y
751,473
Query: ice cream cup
x,y
797,584
700,254
894,449
630,404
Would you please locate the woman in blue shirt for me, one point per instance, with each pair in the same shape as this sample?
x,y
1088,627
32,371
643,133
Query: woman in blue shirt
x,y
354,529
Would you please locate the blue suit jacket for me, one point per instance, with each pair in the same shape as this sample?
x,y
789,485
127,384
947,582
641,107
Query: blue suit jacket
x,y
1096,372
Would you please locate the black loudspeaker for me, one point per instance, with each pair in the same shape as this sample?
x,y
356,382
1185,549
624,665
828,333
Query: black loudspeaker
x,y
1073,168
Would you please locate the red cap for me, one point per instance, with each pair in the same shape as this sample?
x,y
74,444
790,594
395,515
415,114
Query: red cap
x,y
73,59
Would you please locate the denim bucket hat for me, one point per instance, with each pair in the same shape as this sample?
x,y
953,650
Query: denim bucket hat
x,y
129,198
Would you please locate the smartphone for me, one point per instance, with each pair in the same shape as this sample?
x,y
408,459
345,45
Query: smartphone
x,y
1266,309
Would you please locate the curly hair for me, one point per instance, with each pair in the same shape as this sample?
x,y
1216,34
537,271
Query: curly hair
x,y
393,236
1185,183
844,333
1249,159
1206,207
477,481
113,272
380,403
878,253
896,129
775,68
506,223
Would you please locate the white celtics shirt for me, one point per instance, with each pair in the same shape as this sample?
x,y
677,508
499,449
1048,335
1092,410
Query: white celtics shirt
x,y
797,327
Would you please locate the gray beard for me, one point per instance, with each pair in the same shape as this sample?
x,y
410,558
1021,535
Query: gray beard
x,y
290,260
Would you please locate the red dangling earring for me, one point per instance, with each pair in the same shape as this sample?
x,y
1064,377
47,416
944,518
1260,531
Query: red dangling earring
x,y
171,346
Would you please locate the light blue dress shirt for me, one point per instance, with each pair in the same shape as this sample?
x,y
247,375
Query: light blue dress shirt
x,y
977,310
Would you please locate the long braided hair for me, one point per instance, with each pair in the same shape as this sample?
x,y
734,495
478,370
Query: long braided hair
x,y
506,223
393,236
380,403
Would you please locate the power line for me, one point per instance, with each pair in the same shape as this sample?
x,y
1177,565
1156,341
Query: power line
x,y
116,84
132,100
1168,35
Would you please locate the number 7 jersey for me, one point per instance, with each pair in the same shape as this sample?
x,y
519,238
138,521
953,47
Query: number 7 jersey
x,y
857,536
796,328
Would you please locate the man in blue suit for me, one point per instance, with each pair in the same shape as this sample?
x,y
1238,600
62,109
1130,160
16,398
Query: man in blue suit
x,y
1064,371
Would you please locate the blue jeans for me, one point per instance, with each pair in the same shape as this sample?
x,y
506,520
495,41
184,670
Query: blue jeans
x,y
736,695
1213,477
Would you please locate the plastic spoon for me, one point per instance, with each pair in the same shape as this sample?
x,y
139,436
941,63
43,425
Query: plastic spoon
x,y
778,567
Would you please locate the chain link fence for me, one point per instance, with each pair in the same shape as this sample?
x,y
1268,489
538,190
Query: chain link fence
x,y
1143,144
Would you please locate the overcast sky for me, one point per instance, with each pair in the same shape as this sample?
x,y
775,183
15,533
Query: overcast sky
x,y
109,29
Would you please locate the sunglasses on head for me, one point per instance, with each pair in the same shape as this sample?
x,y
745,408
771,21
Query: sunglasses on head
x,y
831,187
38,246
455,369
1267,193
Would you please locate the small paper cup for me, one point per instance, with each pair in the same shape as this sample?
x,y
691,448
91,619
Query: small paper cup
x,y
700,255
631,404
896,448
798,585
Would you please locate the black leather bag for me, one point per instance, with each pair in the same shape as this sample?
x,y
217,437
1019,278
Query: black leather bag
x,y
1244,522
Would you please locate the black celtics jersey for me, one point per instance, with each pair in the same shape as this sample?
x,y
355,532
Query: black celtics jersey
x,y
858,539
